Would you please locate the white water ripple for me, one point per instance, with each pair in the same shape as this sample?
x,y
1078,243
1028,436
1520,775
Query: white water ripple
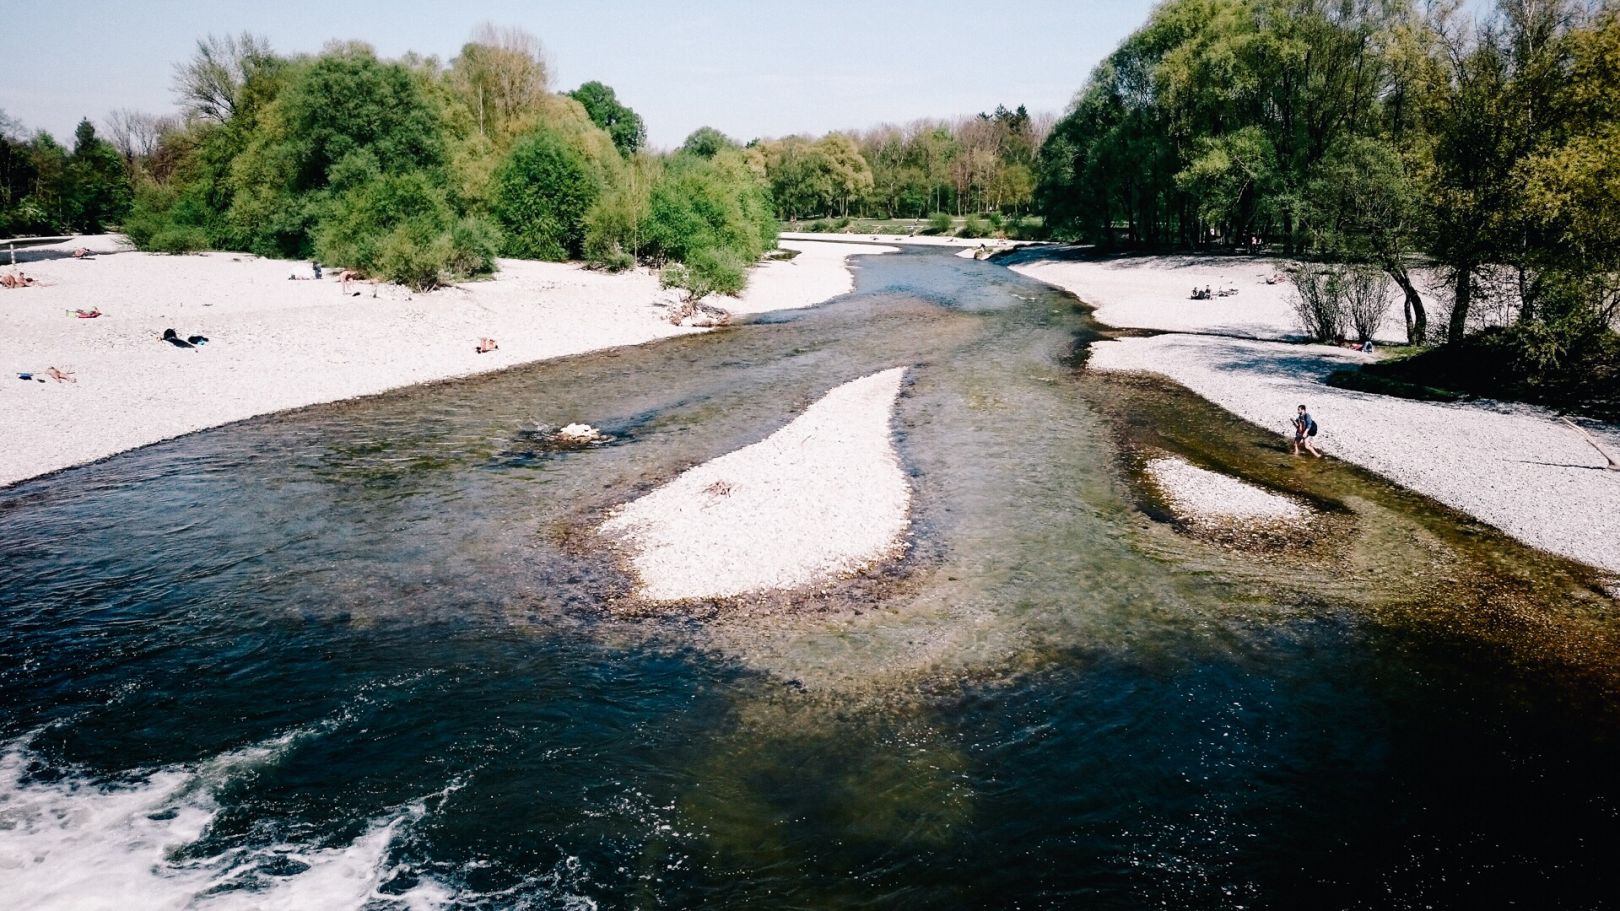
x,y
74,842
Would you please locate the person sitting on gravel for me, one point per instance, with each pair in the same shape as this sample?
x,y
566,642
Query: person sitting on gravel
x,y
1304,429
486,345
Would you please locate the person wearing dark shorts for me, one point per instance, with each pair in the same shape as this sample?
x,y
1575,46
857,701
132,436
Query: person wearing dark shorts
x,y
1304,429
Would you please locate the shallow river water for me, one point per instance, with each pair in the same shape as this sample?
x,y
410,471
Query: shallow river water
x,y
369,655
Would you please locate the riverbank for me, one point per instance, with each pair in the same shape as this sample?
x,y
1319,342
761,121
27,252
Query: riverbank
x,y
276,343
1155,292
913,240
1512,466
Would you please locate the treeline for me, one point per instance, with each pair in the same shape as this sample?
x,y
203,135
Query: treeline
x,y
46,189
421,172
1372,132
972,166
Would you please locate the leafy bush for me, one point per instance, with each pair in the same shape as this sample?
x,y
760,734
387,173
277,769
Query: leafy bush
x,y
176,239
172,219
615,223
474,244
541,194
401,228
712,271
412,254
1026,228
974,226
1319,302
708,204
939,223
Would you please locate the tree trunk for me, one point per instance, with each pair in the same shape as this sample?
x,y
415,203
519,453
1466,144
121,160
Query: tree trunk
x,y
1459,306
1417,320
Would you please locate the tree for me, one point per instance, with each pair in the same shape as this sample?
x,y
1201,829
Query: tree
x,y
541,194
624,125
97,188
501,76
1364,208
847,174
707,142
210,84
343,103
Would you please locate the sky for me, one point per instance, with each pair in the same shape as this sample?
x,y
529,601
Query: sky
x,y
749,69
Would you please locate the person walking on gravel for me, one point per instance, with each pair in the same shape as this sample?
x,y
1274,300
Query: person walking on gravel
x,y
1304,429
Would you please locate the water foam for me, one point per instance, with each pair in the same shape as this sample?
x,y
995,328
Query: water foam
x,y
74,842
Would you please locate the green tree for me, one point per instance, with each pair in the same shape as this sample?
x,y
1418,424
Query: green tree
x,y
1364,208
96,184
500,77
541,194
847,175
707,142
342,103
401,227
624,125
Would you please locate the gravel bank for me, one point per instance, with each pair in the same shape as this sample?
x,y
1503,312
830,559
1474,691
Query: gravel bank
x,y
822,497
1199,495
276,344
1154,292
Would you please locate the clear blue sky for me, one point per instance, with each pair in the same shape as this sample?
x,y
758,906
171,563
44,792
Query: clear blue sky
x,y
750,69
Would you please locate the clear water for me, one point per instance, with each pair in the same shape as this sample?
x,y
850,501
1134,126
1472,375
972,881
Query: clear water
x,y
367,655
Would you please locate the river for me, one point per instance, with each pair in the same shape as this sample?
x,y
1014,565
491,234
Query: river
x,y
368,655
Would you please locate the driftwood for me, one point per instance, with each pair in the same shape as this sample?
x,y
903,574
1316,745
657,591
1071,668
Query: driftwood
x,y
1607,457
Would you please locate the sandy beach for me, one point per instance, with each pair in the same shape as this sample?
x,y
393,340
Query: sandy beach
x,y
1513,466
275,343
821,497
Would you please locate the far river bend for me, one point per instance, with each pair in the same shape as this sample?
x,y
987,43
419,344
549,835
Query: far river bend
x,y
363,655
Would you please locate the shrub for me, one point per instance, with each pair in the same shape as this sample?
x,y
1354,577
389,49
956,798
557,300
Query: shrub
x,y
413,255
170,220
1366,294
400,228
616,222
541,194
974,226
1319,302
708,204
474,244
176,239
707,272
938,223
1026,228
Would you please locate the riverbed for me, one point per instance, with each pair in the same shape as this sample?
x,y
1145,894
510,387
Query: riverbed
x,y
367,655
